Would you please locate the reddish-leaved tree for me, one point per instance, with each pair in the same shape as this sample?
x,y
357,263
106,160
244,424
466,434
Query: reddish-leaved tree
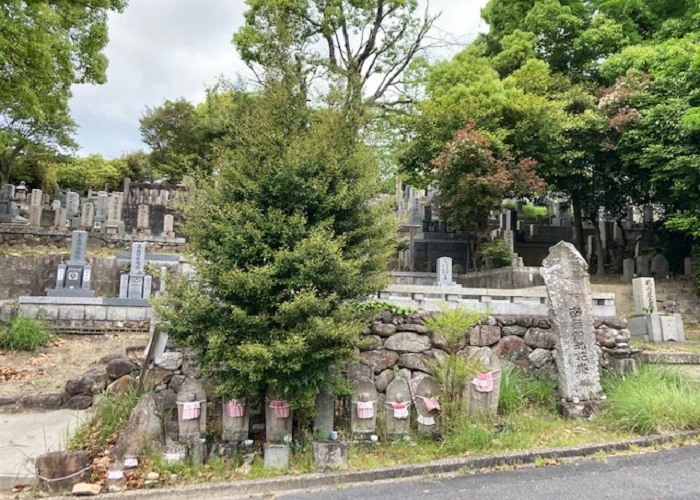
x,y
474,174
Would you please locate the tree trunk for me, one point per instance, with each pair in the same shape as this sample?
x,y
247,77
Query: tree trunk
x,y
578,225
599,250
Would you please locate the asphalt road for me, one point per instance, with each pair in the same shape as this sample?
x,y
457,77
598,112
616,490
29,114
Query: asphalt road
x,y
666,474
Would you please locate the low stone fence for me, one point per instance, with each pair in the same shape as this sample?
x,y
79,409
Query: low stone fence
x,y
531,301
89,316
506,277
401,346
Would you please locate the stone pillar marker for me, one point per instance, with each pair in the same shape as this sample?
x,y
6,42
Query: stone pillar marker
x,y
35,208
87,215
571,313
444,271
143,223
644,294
168,226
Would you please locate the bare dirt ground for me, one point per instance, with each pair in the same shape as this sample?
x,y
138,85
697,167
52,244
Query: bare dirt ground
x,y
66,357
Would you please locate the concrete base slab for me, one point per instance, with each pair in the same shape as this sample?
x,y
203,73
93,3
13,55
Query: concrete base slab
x,y
24,436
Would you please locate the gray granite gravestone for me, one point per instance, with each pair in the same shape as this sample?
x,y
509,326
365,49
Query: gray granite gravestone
x,y
644,295
647,323
168,226
571,314
444,270
143,222
114,224
60,219
87,215
137,284
73,279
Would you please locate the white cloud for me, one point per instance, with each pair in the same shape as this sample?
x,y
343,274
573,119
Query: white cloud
x,y
165,49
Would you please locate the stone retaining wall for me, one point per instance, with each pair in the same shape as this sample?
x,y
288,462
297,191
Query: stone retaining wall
x,y
33,237
397,345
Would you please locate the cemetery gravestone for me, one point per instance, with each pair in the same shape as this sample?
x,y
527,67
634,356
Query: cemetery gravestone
x,y
36,208
509,237
60,219
444,269
8,208
143,224
137,284
87,216
571,313
168,226
644,295
659,266
643,265
73,279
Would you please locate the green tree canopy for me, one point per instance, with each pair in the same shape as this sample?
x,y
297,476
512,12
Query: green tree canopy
x,y
45,47
285,239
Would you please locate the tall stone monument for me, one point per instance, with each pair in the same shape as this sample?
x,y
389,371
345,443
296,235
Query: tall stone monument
x,y
73,279
571,314
115,205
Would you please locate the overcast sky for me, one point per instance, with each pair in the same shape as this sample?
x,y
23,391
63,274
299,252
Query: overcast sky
x,y
165,49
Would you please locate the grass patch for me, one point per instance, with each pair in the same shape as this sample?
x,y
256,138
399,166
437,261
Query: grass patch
x,y
532,211
25,334
519,389
692,345
111,415
654,399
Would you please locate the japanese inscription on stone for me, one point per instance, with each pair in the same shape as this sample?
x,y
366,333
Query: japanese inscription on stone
x,y
571,313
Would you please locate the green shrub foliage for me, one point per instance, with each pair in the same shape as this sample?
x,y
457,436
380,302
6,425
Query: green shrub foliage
x,y
287,237
25,334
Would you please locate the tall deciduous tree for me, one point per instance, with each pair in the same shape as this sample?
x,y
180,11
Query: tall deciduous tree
x,y
474,174
45,47
362,44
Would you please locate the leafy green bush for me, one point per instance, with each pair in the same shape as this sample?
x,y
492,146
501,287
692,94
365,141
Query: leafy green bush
x,y
533,211
453,371
653,399
519,389
25,334
381,305
497,252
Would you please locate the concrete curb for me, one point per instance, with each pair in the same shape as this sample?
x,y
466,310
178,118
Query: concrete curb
x,y
316,480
